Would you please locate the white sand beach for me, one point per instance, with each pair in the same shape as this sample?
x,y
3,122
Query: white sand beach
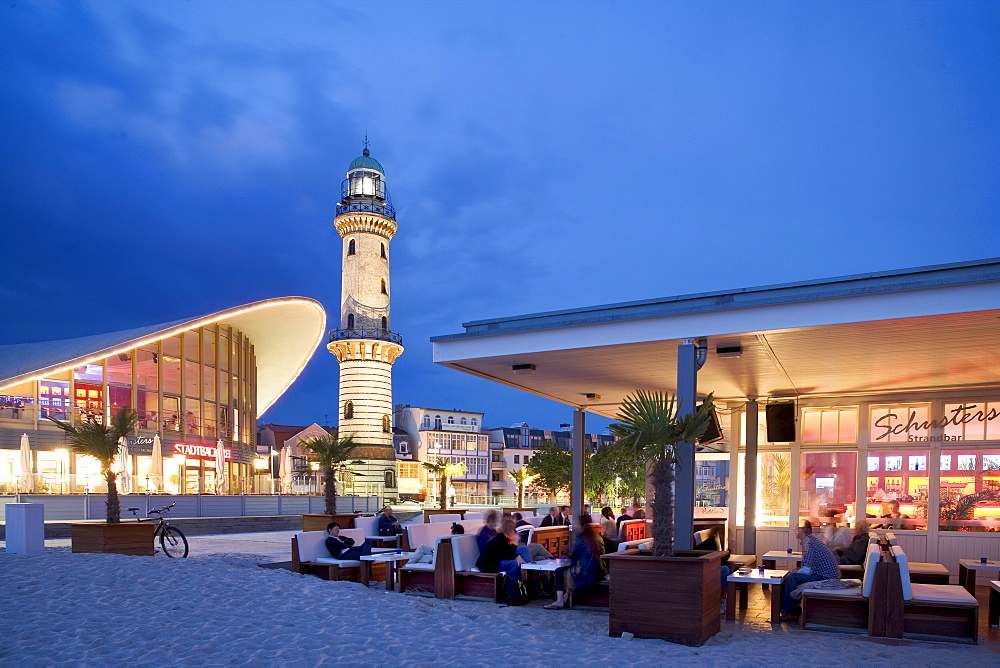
x,y
219,608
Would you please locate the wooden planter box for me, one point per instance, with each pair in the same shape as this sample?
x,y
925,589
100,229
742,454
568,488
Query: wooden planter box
x,y
318,521
670,598
508,511
125,538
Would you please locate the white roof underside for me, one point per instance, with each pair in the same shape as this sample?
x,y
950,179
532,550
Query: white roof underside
x,y
921,330
284,332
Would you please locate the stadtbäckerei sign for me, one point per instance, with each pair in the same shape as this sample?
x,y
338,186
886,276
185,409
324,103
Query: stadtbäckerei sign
x,y
960,415
200,451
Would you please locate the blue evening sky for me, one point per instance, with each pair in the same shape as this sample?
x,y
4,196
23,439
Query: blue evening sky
x,y
163,160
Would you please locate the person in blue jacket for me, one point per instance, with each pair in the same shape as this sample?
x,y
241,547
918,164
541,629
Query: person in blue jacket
x,y
586,568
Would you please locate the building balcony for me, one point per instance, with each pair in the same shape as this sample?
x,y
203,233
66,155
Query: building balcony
x,y
498,464
367,206
372,333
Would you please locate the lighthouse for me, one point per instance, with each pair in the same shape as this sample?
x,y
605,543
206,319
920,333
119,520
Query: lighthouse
x,y
365,345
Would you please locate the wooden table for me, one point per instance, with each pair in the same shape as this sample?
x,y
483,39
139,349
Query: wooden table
x,y
737,581
550,565
994,604
389,559
773,556
967,572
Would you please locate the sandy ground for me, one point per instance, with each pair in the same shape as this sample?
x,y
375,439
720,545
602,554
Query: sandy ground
x,y
219,608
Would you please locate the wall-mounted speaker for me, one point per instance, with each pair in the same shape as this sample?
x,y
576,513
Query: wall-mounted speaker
x,y
780,422
714,431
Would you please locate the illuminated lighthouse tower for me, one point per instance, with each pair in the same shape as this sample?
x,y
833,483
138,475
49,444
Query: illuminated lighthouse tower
x,y
364,345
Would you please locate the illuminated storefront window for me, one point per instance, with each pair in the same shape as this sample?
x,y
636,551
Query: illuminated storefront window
x,y
901,423
827,486
829,425
970,490
897,489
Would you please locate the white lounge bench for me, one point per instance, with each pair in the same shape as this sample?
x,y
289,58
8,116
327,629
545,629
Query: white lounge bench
x,y
936,612
310,556
468,579
369,525
845,610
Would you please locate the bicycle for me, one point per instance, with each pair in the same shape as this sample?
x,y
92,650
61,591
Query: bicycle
x,y
173,542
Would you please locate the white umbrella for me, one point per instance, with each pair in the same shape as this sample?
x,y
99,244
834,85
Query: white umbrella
x,y
25,479
220,468
124,467
156,467
285,471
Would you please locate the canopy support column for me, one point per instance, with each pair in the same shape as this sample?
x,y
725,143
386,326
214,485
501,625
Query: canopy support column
x,y
690,357
750,479
577,496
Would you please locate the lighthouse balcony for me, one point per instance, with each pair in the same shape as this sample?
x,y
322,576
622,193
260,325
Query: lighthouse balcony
x,y
372,333
366,206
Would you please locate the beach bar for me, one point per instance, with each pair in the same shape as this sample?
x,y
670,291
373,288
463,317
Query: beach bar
x,y
839,399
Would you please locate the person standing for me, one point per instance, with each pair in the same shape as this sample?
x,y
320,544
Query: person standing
x,y
818,563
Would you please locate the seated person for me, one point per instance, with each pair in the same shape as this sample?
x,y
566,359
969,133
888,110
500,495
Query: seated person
x,y
588,510
854,554
424,554
639,514
536,550
342,547
624,517
818,563
895,515
388,525
553,519
586,567
489,529
609,529
503,555
567,516
457,529
519,521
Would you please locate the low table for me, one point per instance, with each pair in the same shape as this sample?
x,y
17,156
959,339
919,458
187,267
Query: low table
x,y
770,577
389,559
551,565
773,556
967,572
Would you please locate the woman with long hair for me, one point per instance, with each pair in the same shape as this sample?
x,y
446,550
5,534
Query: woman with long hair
x,y
585,565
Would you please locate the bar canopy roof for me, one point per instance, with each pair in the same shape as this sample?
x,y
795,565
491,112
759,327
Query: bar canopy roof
x,y
284,332
916,330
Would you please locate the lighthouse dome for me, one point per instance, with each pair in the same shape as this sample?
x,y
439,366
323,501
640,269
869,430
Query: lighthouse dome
x,y
366,161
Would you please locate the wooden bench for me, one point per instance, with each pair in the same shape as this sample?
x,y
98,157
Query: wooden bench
x,y
922,572
438,578
369,526
854,610
467,578
935,612
310,556
632,530
553,539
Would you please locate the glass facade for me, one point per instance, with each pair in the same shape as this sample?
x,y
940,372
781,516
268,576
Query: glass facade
x,y
190,389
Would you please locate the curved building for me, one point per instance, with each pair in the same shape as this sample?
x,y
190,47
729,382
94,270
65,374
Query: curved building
x,y
194,383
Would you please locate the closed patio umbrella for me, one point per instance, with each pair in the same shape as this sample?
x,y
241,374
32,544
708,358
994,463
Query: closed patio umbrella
x,y
124,467
285,471
25,475
220,468
156,466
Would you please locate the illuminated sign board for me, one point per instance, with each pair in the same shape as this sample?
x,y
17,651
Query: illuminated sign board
x,y
959,423
200,451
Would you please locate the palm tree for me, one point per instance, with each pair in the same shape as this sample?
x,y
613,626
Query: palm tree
x,y
328,452
650,427
101,441
523,478
444,471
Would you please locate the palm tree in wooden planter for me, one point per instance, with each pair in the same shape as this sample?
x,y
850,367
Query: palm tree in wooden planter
x,y
522,477
649,426
329,453
102,442
444,471
683,587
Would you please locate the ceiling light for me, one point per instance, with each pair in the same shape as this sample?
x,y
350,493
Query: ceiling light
x,y
729,351
523,369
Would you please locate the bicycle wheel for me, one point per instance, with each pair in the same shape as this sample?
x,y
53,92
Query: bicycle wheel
x,y
173,542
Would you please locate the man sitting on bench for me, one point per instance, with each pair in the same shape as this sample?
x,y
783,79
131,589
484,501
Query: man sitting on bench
x,y
818,563
388,525
342,547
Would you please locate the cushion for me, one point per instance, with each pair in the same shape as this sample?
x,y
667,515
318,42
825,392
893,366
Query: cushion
x,y
928,593
312,545
536,521
475,516
927,569
904,572
445,517
366,524
838,593
891,539
465,550
472,526
426,534
873,557
418,567
850,568
343,563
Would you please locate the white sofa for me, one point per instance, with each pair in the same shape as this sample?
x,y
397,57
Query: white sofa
x,y
446,517
936,611
369,526
310,556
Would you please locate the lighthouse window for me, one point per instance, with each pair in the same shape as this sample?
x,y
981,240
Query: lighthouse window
x,y
386,424
350,247
384,290
385,323
383,251
348,410
350,321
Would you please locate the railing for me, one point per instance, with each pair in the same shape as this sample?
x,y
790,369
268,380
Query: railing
x,y
368,333
498,464
367,206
